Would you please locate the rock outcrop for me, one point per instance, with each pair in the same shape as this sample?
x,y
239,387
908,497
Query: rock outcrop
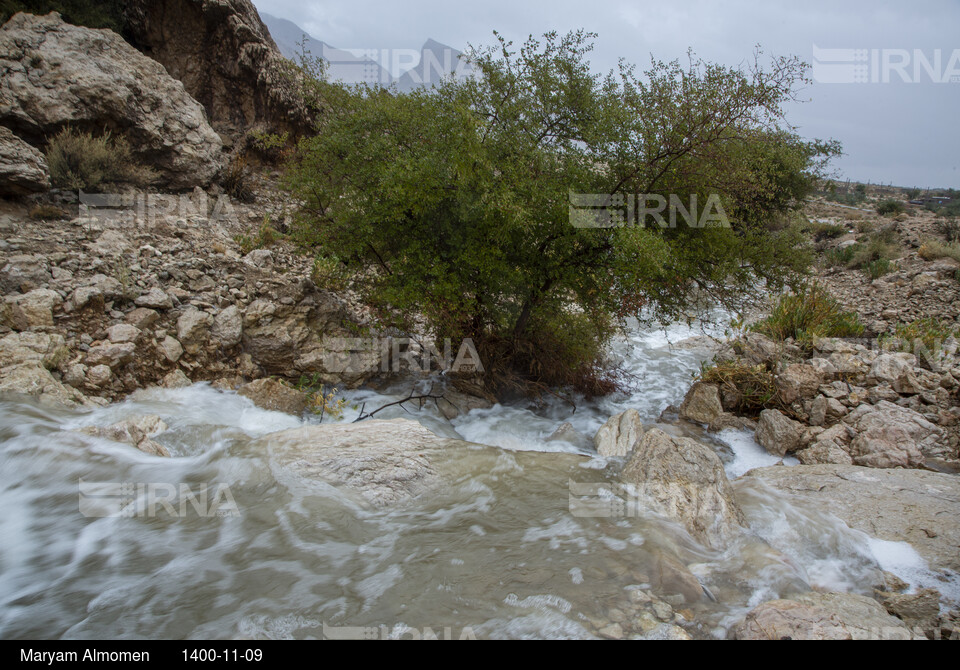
x,y
685,481
57,75
384,462
913,506
226,59
23,169
822,616
619,435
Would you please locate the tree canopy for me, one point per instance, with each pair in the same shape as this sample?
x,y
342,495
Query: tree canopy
x,y
453,204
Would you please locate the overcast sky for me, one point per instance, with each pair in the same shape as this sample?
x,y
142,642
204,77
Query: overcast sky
x,y
906,134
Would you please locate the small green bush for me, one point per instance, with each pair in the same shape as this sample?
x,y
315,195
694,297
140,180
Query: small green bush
x,y
878,268
810,313
821,231
950,229
82,161
840,257
928,331
265,236
890,207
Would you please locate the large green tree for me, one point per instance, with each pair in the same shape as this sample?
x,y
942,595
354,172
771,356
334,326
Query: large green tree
x,y
454,204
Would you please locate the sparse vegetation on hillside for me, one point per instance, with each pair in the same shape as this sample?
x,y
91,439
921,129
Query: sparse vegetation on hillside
x,y
890,207
807,314
80,160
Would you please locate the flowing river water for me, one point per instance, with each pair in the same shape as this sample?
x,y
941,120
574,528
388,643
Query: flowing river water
x,y
495,553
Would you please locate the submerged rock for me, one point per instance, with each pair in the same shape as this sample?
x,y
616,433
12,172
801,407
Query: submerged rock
x,y
384,462
135,431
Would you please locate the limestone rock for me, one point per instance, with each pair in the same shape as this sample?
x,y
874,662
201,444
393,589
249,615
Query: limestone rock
x,y
227,327
34,380
155,298
777,433
23,169
821,616
123,332
170,348
135,431
57,74
384,462
912,506
193,328
110,354
685,481
890,436
226,59
619,434
799,381
273,395
701,404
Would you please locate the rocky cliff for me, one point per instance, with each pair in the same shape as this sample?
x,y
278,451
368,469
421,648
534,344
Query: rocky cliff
x,y
225,57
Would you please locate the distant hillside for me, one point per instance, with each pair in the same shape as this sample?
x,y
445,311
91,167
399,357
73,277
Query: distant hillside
x,y
436,59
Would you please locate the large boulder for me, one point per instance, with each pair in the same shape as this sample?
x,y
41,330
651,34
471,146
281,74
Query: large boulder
x,y
56,74
685,481
295,333
383,462
32,379
619,434
777,433
799,381
821,616
913,506
890,436
23,169
702,404
29,310
226,59
275,396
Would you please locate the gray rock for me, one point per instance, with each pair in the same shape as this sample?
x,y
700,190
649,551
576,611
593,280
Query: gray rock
x,y
777,433
170,348
155,298
111,355
702,404
23,169
56,74
228,327
799,381
123,332
273,395
912,506
383,462
685,481
193,329
890,436
619,435
22,312
821,616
